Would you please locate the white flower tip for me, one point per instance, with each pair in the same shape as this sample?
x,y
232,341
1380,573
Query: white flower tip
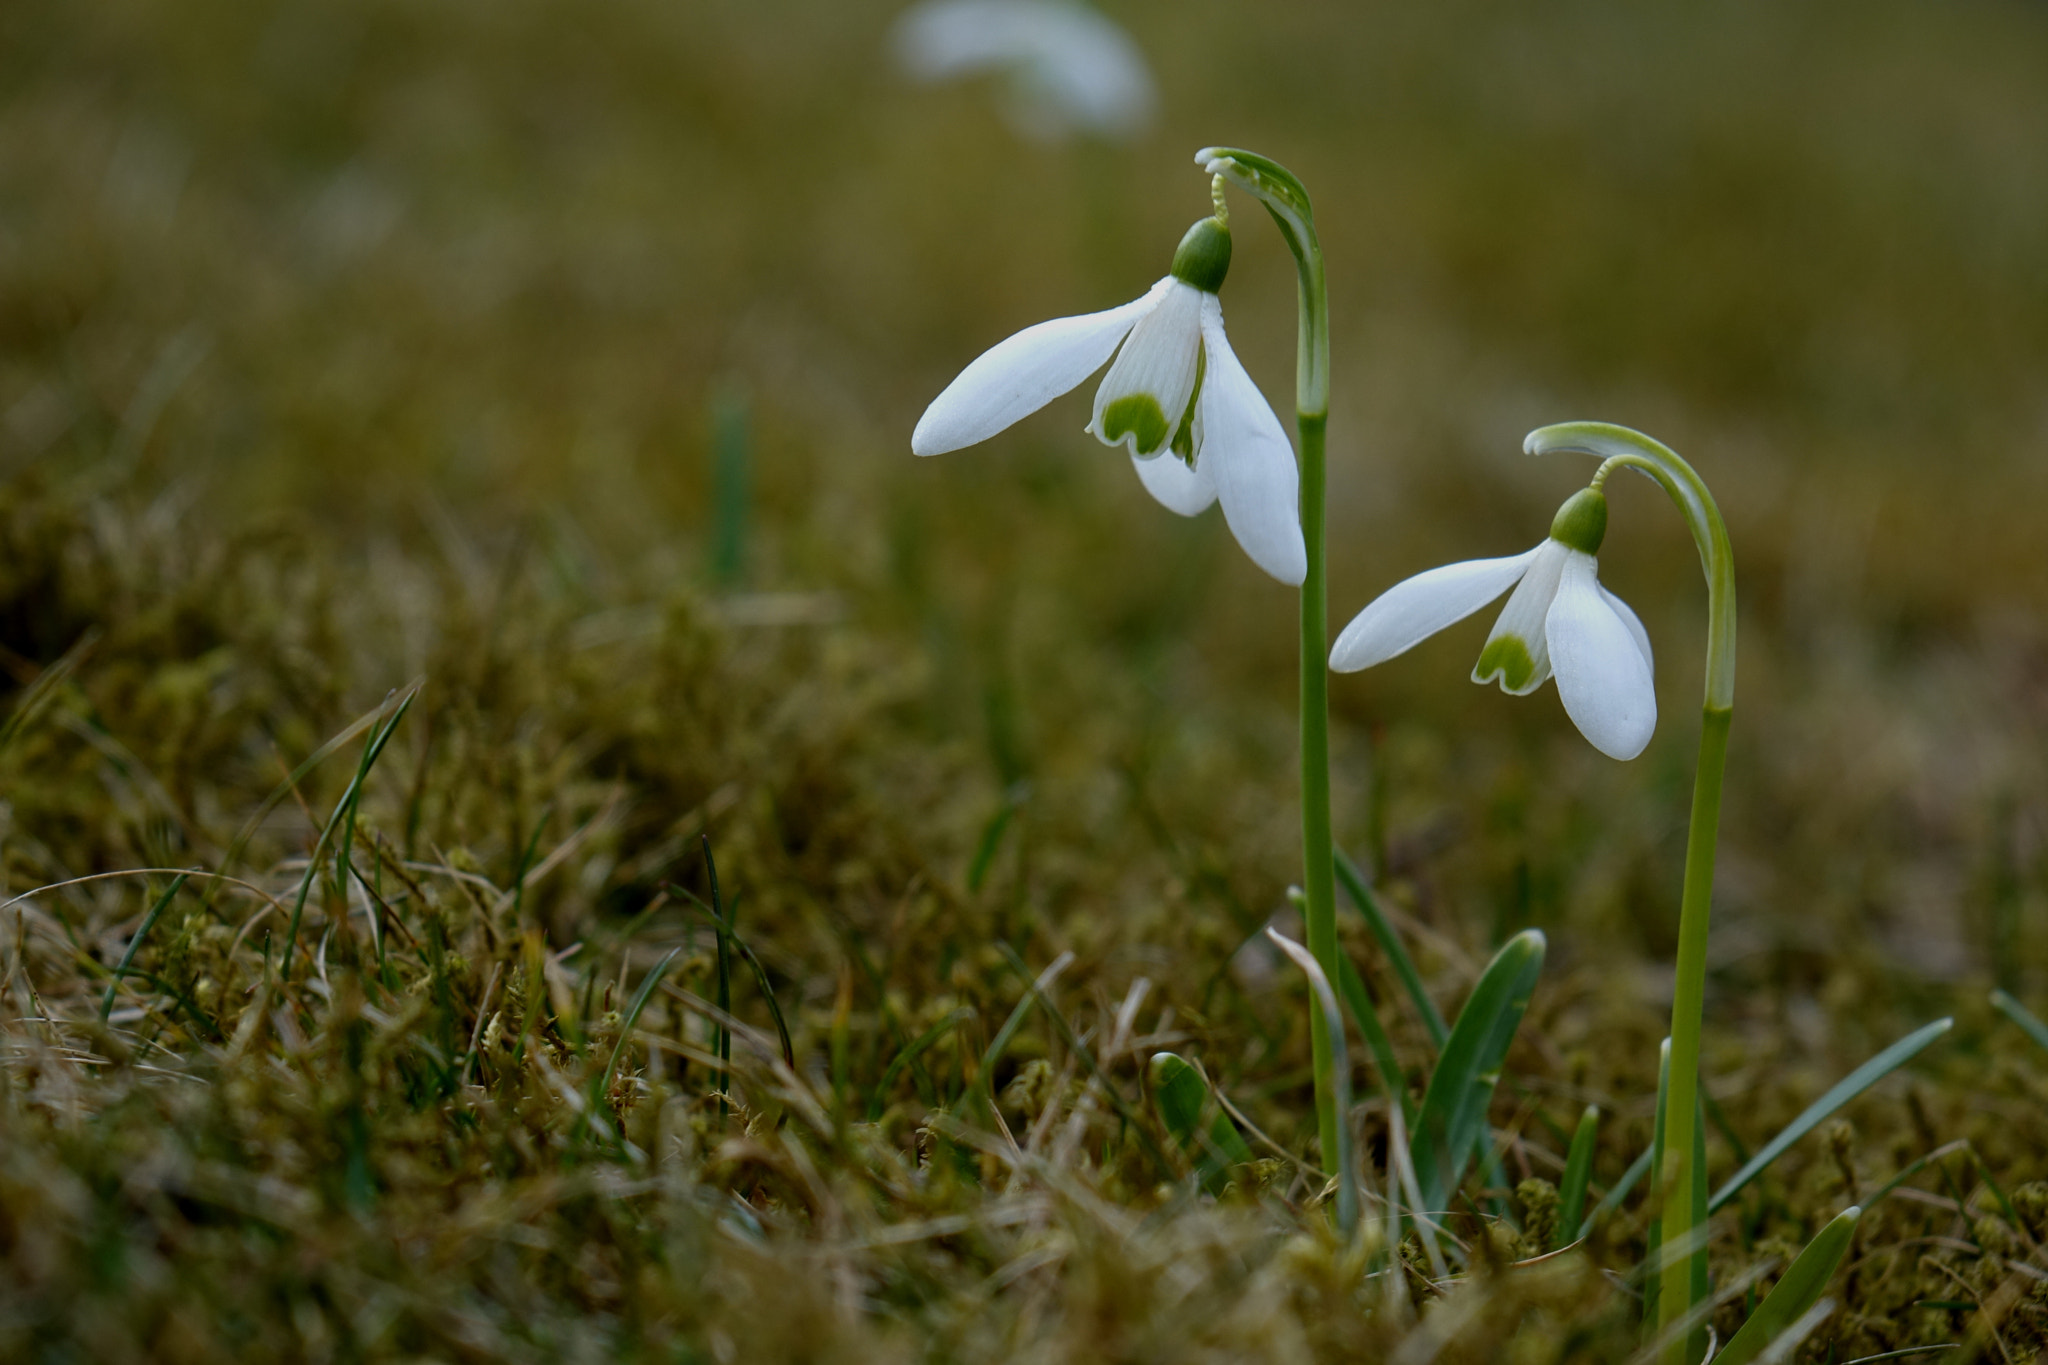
x,y
1287,561
925,439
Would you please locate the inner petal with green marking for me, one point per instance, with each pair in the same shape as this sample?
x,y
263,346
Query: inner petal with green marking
x,y
1139,416
1145,398
1505,657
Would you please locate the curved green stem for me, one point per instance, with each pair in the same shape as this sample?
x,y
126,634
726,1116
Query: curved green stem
x,y
1682,1180
1275,186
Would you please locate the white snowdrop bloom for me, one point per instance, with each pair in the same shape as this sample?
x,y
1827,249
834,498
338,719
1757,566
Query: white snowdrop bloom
x,y
1559,620
1197,427
1070,68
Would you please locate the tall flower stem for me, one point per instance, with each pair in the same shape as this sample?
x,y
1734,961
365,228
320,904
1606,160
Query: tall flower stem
x,y
1275,186
1681,1177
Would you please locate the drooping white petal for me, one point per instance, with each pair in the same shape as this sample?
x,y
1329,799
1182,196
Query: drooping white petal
x,y
1416,608
1632,621
1177,487
1247,455
1517,652
1603,675
1146,392
1016,377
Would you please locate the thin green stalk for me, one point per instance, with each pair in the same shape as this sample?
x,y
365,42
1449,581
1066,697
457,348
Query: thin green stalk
x,y
1287,201
1682,1180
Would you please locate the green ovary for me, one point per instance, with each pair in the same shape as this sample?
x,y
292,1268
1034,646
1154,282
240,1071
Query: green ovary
x,y
1506,657
1139,415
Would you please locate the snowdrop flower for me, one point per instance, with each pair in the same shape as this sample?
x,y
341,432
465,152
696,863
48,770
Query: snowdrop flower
x,y
1197,427
1070,68
1559,620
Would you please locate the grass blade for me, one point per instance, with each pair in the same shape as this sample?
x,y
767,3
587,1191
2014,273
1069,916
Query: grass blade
x,y
1611,1201
626,1025
879,1100
1182,1096
2021,1015
1848,1088
1093,1067
1453,1111
344,811
1795,1294
149,920
1578,1172
1368,1020
1001,1042
1390,943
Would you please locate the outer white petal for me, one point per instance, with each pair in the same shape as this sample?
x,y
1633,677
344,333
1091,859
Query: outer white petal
x,y
1522,620
1416,608
1178,488
1247,455
1603,676
1634,624
1015,378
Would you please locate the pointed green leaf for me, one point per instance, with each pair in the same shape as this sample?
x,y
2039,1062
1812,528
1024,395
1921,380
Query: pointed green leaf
x,y
1798,1290
1454,1107
1850,1086
1578,1172
2021,1015
1183,1097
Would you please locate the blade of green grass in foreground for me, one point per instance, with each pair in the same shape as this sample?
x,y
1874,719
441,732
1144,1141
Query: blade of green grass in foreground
x,y
344,813
1795,1294
2021,1015
1182,1097
880,1099
626,1025
1390,943
1454,1107
149,920
1850,1086
1578,1171
1368,1020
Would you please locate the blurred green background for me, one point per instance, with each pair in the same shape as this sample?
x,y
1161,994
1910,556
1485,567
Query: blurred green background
x,y
476,279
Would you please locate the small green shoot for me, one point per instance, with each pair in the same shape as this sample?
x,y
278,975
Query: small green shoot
x,y
1795,1294
1578,1172
1183,1097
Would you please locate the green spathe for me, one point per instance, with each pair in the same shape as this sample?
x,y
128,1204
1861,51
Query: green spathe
x,y
1137,413
1581,524
1508,658
1203,257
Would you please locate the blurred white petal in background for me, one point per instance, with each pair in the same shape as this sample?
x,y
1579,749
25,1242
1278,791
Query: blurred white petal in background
x,y
1069,69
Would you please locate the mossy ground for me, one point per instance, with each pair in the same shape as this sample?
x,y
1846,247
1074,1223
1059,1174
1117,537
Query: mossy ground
x,y
350,352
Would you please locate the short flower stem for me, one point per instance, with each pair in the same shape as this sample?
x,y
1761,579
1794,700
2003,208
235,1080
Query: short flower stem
x,y
1276,187
1620,448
